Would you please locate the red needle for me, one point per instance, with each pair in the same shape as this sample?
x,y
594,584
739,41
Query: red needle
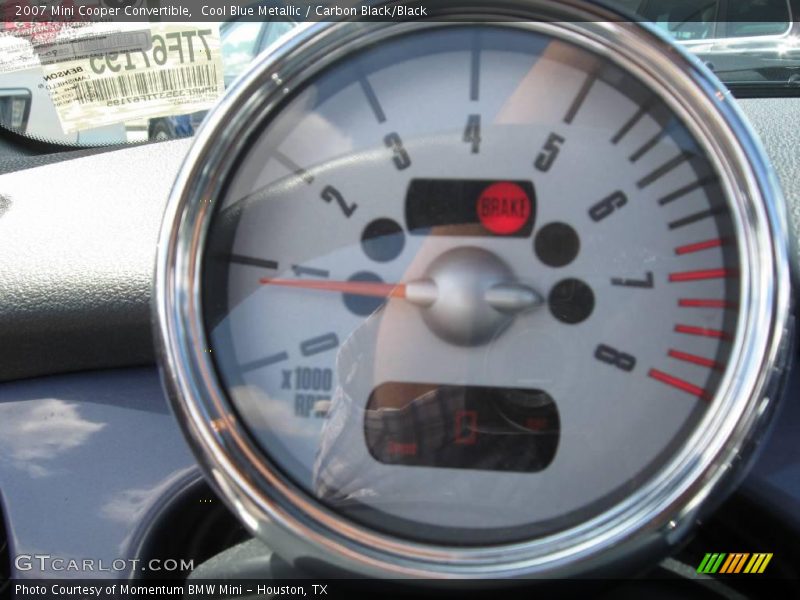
x,y
357,288
505,297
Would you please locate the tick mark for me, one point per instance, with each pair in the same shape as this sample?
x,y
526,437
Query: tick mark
x,y
701,274
705,303
694,217
630,124
694,359
680,384
699,246
374,104
649,145
287,162
664,169
701,331
582,93
475,71
300,270
253,262
265,362
687,189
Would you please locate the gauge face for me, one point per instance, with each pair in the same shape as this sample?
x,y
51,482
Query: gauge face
x,y
472,285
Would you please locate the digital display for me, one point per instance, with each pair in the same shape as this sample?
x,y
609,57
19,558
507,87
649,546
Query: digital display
x,y
470,207
462,427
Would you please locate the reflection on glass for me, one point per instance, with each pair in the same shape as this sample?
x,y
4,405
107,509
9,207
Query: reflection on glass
x,y
461,427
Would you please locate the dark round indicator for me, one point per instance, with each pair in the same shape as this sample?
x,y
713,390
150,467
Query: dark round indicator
x,y
556,244
360,305
504,208
571,301
383,240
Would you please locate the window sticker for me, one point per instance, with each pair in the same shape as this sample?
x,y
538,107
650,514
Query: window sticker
x,y
31,44
178,72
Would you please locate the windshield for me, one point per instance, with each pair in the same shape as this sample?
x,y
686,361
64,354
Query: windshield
x,y
156,82
87,84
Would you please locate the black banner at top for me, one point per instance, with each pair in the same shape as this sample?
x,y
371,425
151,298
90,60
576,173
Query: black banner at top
x,y
17,11
213,10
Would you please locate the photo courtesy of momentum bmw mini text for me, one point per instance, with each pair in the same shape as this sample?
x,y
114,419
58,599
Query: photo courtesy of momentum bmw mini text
x,y
407,299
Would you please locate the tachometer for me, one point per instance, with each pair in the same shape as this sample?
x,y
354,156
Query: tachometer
x,y
479,296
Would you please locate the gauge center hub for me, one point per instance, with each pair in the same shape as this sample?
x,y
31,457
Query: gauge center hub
x,y
477,296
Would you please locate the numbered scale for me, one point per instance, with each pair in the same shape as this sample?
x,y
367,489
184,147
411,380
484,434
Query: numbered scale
x,y
474,292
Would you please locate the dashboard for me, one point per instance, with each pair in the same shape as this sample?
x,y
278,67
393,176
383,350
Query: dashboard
x,y
382,345
118,389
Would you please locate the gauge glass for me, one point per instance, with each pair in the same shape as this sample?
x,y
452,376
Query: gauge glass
x,y
473,284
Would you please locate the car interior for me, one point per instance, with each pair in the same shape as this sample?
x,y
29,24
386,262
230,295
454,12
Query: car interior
x,y
477,296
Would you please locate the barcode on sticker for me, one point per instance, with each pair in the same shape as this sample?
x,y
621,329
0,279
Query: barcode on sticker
x,y
61,50
186,78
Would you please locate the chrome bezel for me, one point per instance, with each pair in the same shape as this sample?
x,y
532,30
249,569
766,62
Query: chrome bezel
x,y
655,515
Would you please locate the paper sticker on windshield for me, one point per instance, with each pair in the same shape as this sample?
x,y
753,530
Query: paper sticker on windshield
x,y
18,40
29,45
180,73
16,54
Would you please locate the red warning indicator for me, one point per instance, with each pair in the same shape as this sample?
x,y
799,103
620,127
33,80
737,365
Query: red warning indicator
x,y
402,449
466,427
536,423
504,208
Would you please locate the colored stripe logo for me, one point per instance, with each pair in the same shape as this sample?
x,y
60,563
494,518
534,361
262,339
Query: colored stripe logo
x,y
735,562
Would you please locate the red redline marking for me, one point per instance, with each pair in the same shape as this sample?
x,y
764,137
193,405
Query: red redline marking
x,y
680,384
704,303
702,331
704,274
694,359
697,247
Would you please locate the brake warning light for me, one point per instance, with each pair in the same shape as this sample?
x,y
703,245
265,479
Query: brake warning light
x,y
504,208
